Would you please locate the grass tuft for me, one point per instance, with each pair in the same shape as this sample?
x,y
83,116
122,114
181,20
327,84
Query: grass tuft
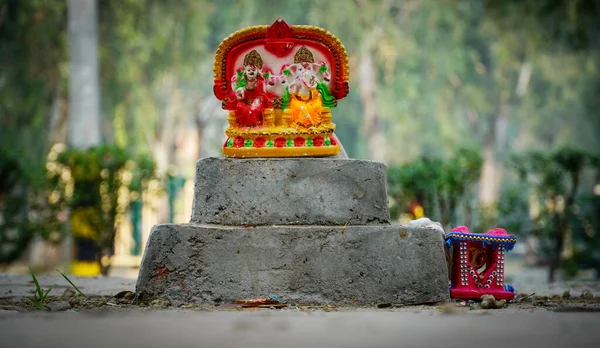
x,y
40,297
70,282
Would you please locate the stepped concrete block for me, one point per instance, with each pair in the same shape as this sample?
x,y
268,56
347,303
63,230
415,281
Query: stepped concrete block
x,y
290,191
300,264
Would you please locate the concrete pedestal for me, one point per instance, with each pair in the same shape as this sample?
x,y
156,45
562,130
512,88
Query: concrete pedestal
x,y
310,231
310,264
305,191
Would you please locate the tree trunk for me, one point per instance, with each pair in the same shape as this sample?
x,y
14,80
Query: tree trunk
x,y
57,125
562,225
200,127
206,109
83,124
488,182
372,127
84,114
558,245
491,170
163,148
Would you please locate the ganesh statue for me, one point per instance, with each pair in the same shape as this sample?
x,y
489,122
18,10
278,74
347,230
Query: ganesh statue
x,y
279,83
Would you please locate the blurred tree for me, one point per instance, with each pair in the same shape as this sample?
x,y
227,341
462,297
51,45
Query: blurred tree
x,y
443,188
156,70
371,38
15,233
32,77
32,82
556,179
84,99
572,24
152,53
98,184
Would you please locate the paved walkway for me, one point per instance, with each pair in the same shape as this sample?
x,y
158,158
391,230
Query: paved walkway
x,y
419,326
298,329
15,285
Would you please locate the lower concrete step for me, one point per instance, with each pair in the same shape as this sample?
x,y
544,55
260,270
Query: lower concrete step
x,y
300,264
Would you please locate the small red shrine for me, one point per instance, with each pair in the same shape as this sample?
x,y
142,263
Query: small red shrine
x,y
478,263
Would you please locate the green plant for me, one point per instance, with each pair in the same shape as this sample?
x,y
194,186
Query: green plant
x,y
70,282
98,185
40,297
565,213
442,187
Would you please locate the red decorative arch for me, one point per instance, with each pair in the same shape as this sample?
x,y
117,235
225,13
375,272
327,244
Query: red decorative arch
x,y
280,40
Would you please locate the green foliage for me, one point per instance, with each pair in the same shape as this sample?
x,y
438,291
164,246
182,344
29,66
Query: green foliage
x,y
32,56
32,53
40,297
98,184
512,210
152,56
15,235
564,23
24,210
443,188
564,207
70,282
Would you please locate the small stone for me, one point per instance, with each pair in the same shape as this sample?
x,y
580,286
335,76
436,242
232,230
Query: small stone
x,y
489,302
160,303
587,294
75,300
58,306
67,294
125,297
541,300
566,294
124,294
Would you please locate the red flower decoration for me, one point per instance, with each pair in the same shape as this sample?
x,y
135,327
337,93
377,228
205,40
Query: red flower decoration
x,y
299,141
333,141
318,141
259,142
280,142
238,141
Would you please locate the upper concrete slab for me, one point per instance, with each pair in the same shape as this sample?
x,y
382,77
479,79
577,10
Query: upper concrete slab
x,y
291,191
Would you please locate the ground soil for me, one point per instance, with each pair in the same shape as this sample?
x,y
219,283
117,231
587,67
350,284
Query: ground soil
x,y
125,301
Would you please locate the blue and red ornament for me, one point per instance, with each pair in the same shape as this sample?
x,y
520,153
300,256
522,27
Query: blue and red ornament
x,y
478,263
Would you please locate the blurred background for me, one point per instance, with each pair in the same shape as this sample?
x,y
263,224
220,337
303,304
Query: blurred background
x,y
485,111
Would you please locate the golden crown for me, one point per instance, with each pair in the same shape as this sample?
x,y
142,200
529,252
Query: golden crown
x,y
303,55
253,58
